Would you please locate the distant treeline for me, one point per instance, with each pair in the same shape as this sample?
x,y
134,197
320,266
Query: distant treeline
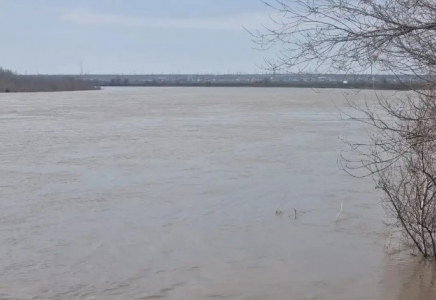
x,y
11,82
295,84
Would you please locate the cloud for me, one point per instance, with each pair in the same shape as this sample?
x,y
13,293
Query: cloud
x,y
230,22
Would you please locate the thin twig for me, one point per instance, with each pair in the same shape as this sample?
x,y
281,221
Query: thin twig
x,y
295,213
279,211
337,217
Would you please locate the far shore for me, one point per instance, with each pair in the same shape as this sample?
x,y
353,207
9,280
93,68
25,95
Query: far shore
x,y
398,87
11,82
15,83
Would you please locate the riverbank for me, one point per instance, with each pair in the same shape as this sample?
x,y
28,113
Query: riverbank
x,y
312,85
329,81
11,82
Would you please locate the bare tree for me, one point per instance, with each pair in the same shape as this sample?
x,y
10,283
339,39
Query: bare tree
x,y
401,157
391,36
350,35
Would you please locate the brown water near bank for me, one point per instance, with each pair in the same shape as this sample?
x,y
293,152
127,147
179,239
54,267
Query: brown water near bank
x,y
171,193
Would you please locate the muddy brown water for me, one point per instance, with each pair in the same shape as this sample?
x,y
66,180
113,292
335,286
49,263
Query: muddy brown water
x,y
171,193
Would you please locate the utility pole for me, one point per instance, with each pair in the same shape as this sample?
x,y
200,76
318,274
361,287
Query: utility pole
x,y
81,68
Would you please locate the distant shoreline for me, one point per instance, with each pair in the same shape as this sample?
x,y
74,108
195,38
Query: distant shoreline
x,y
341,81
11,82
399,87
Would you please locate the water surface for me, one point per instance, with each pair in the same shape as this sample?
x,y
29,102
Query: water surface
x,y
171,193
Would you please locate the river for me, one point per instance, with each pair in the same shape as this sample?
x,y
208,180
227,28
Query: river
x,y
171,193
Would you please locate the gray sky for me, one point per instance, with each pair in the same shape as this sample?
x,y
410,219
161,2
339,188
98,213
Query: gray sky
x,y
142,36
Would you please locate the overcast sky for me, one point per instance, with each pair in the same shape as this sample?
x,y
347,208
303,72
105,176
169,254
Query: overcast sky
x,y
142,36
